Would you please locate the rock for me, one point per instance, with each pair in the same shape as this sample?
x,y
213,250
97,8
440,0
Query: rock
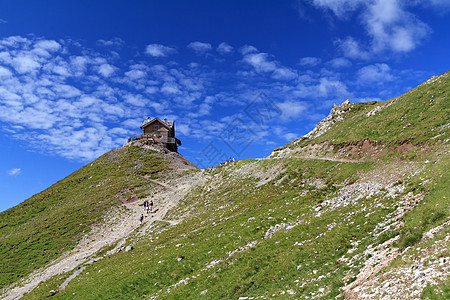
x,y
128,248
419,275
203,292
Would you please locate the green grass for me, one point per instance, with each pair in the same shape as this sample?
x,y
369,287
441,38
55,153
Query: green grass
x,y
435,208
214,230
237,212
38,230
418,116
240,202
439,292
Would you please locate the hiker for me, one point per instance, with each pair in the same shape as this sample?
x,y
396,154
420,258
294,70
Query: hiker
x,y
151,206
141,218
145,204
148,206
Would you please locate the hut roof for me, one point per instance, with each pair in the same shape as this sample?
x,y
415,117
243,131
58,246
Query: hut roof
x,y
167,123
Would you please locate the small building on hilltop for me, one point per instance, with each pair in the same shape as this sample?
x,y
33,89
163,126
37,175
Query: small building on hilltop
x,y
160,131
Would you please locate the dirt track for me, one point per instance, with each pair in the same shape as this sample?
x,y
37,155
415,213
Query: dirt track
x,y
118,226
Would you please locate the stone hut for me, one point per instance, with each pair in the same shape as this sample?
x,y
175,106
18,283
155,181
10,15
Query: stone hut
x,y
160,131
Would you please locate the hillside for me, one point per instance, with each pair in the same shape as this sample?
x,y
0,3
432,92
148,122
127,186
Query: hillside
x,y
356,209
38,230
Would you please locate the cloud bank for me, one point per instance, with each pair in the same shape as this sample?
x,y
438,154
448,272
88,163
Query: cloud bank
x,y
389,24
63,98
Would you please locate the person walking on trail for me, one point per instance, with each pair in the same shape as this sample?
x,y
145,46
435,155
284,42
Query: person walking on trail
x,y
141,218
147,206
151,206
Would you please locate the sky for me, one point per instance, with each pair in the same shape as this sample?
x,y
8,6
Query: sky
x,y
239,78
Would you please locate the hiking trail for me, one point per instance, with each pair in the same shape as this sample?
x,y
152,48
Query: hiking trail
x,y
119,225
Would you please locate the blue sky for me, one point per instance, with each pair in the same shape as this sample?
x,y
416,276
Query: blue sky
x,y
77,78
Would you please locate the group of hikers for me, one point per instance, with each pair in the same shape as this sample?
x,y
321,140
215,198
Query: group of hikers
x,y
148,207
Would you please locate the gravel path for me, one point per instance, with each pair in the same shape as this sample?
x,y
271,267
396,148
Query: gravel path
x,y
117,227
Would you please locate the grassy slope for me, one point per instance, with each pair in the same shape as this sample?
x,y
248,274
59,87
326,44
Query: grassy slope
x,y
42,227
417,116
237,212
221,224
234,208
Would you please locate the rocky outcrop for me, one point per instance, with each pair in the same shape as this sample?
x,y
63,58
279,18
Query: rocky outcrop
x,y
336,115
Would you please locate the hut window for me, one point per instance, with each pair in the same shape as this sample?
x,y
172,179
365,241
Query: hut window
x,y
156,126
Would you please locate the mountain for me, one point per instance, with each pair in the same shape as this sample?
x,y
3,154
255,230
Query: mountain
x,y
355,209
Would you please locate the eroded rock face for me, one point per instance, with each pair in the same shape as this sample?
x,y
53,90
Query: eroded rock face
x,y
335,115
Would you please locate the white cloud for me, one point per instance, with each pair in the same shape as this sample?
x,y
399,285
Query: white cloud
x,y
224,48
115,42
387,22
310,61
132,124
4,72
321,88
136,100
48,45
392,27
290,136
377,73
106,70
328,88
291,109
199,47
247,49
262,63
349,47
135,74
57,67
184,129
25,63
14,172
340,8
283,73
66,90
158,50
170,88
78,65
441,6
339,62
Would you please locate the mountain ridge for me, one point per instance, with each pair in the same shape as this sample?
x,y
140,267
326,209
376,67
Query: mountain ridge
x,y
353,200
